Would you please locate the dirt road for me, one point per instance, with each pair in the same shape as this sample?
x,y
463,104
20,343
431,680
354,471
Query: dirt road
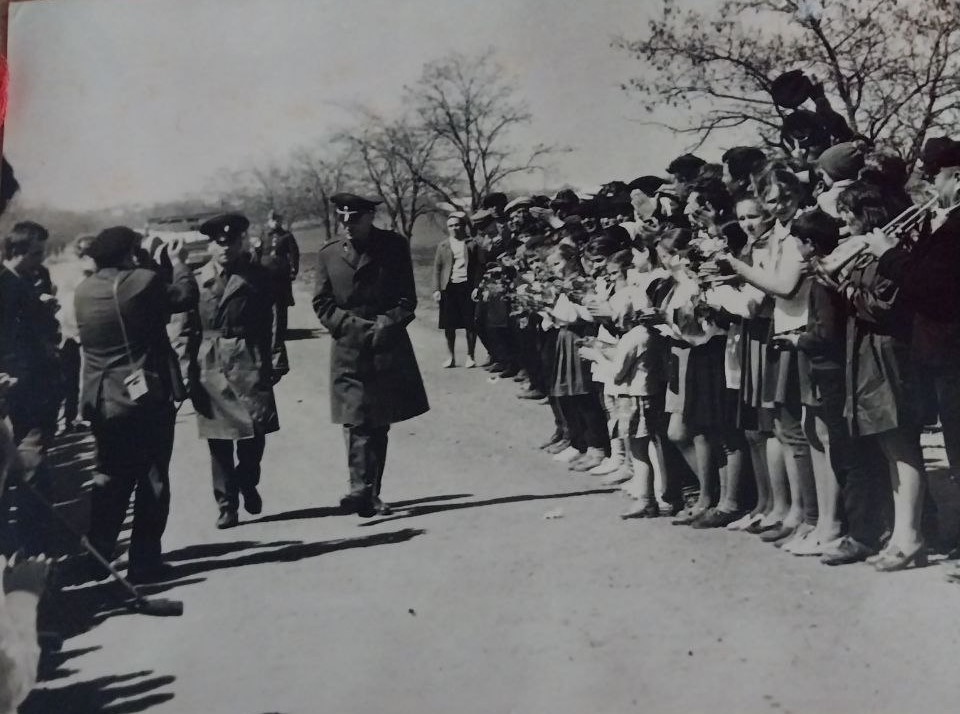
x,y
469,601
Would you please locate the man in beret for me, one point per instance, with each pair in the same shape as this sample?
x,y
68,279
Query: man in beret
x,y
928,276
366,296
131,380
231,368
838,167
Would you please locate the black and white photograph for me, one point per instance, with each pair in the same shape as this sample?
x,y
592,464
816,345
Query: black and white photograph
x,y
502,357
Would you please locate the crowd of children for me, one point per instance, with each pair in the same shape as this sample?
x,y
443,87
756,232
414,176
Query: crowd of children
x,y
781,325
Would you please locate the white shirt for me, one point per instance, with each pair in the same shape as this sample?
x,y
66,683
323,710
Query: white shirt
x,y
459,273
783,251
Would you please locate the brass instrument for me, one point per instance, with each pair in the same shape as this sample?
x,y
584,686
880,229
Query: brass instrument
x,y
900,227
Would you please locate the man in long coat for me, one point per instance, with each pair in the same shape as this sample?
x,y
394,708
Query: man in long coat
x,y
280,254
366,296
232,371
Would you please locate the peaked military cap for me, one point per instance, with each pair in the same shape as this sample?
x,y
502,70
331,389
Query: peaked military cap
x,y
349,203
518,203
482,217
225,228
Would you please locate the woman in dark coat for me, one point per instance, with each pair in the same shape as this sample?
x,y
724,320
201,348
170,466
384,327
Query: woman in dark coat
x,y
231,375
881,387
366,296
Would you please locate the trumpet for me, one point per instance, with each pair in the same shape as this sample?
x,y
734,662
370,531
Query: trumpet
x,y
900,227
912,218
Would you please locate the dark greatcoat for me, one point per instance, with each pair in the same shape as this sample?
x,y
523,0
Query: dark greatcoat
x,y
367,300
929,280
280,254
231,372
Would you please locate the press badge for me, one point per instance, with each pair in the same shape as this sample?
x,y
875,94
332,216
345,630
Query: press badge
x,y
136,384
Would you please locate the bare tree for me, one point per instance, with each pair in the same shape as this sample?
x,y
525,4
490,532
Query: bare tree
x,y
398,160
278,188
892,66
470,108
322,172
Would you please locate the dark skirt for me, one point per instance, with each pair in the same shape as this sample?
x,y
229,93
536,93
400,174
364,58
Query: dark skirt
x,y
457,310
571,375
787,379
705,406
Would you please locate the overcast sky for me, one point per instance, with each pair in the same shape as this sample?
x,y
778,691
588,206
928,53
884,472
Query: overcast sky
x,y
124,101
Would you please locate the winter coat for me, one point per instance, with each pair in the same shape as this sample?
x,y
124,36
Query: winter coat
x,y
366,299
231,370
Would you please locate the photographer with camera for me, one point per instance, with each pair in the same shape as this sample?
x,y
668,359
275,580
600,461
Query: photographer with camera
x,y
131,379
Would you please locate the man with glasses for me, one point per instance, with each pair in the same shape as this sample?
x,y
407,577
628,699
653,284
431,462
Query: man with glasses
x,y
366,296
231,371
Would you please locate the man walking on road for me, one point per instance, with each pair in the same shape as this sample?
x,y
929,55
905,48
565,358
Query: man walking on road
x,y
366,296
231,376
280,254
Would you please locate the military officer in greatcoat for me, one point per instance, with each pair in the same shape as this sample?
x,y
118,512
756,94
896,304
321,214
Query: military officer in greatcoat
x,y
280,254
232,370
366,296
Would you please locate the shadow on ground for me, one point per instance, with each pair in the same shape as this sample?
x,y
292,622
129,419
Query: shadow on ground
x,y
68,611
114,694
423,510
327,511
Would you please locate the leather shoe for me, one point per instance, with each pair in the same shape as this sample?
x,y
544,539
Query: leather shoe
x,y
509,373
354,503
227,519
252,502
847,551
531,394
772,536
641,510
381,508
555,439
716,518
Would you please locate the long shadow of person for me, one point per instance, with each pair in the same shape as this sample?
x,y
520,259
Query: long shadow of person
x,y
304,514
117,694
423,510
288,553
